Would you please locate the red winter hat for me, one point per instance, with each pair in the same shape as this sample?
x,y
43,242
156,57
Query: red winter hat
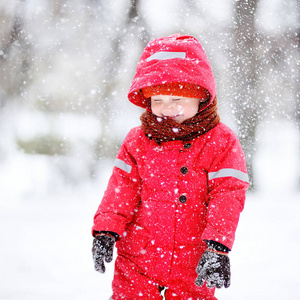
x,y
189,90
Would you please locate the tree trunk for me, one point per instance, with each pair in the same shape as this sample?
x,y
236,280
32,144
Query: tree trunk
x,y
135,29
15,58
245,70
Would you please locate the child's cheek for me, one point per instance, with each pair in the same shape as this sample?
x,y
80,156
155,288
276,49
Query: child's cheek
x,y
154,110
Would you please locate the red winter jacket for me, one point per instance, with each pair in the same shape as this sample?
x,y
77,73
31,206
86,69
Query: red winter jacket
x,y
168,198
165,200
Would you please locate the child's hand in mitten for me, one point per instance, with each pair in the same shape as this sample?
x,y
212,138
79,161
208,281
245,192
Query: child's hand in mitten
x,y
214,267
103,246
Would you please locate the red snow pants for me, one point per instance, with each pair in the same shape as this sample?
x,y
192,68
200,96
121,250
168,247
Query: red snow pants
x,y
130,283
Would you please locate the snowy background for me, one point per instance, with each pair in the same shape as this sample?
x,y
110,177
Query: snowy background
x,y
46,242
64,113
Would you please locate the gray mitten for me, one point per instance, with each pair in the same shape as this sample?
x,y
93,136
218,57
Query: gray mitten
x,y
103,246
214,268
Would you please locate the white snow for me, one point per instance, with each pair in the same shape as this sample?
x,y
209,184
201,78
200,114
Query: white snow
x,y
47,204
46,244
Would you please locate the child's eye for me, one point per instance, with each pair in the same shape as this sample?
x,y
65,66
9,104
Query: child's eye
x,y
176,100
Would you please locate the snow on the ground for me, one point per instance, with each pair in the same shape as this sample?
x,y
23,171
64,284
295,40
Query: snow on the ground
x,y
45,239
264,258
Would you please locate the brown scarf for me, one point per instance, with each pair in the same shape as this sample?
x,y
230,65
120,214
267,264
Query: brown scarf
x,y
164,130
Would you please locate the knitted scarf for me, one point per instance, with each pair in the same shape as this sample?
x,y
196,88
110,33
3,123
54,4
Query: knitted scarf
x,y
164,129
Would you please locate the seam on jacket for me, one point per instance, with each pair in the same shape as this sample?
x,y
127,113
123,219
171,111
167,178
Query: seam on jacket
x,y
229,173
122,165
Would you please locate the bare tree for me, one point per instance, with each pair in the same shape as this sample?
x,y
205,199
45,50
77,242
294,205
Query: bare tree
x,y
15,58
246,70
296,43
134,33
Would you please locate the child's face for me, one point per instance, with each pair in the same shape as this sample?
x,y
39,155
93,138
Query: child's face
x,y
176,108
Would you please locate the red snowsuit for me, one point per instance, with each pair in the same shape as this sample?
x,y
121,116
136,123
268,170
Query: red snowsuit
x,y
165,200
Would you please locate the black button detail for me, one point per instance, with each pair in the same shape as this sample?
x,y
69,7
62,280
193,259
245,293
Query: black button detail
x,y
184,170
182,199
187,145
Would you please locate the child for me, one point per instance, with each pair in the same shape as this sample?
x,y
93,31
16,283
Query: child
x,y
173,202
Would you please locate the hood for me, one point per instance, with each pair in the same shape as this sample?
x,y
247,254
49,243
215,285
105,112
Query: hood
x,y
176,58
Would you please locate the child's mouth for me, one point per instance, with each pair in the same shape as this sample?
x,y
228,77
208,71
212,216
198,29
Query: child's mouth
x,y
173,117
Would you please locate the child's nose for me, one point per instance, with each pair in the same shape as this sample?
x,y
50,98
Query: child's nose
x,y
168,109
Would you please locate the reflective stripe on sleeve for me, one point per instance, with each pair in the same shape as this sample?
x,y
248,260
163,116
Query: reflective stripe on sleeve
x,y
122,165
229,173
166,55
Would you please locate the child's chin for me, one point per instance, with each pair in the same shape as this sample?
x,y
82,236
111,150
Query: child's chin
x,y
178,119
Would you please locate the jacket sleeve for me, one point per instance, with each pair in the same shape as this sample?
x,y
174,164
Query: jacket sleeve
x,y
227,184
122,195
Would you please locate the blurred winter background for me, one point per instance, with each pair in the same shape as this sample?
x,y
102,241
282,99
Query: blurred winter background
x,y
65,69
